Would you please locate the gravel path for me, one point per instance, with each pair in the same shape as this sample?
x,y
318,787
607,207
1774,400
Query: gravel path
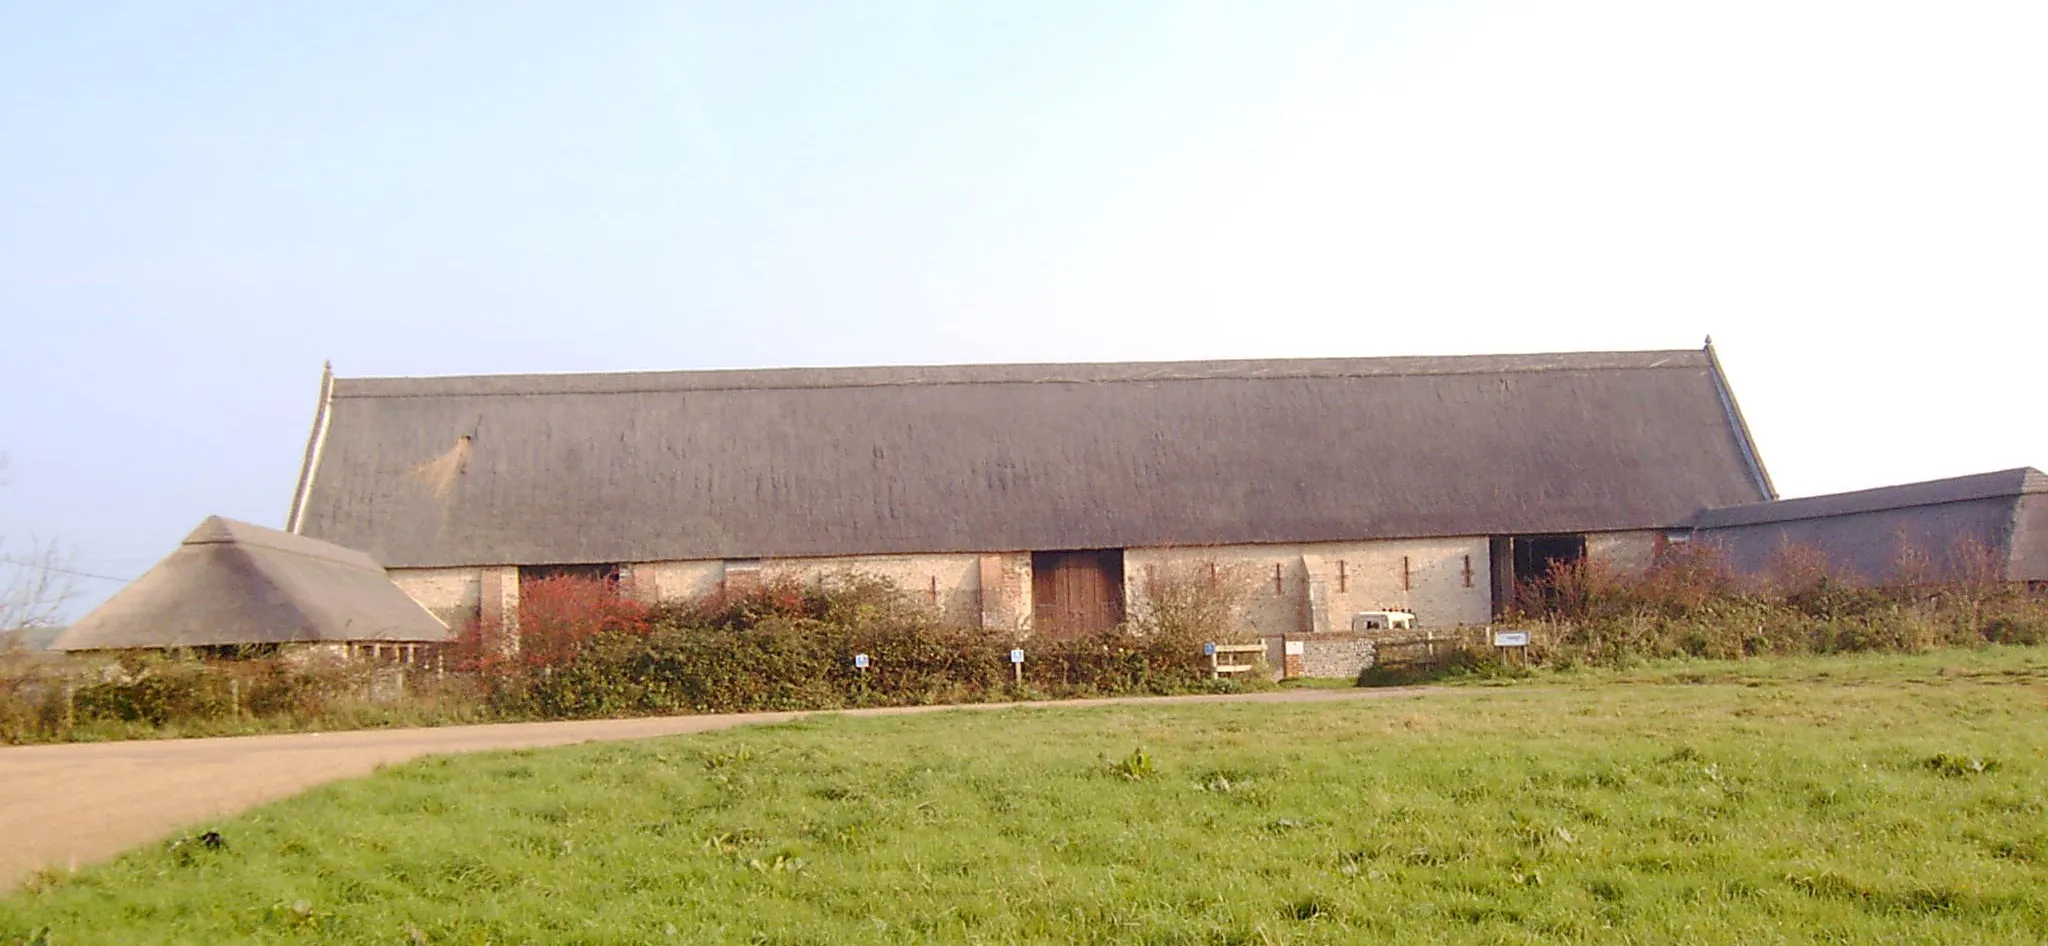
x,y
69,805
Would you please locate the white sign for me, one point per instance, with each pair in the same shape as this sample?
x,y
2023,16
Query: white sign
x,y
1510,638
1017,656
860,661
1297,648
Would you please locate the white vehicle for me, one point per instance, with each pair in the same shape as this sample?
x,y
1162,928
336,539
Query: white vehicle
x,y
1382,620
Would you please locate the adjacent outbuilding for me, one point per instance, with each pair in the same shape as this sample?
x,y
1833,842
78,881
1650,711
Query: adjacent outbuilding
x,y
1991,526
234,584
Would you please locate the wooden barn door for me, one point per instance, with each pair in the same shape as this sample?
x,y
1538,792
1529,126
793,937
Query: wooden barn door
x,y
1077,592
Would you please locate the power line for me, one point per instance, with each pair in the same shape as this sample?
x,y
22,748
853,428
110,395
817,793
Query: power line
x,y
32,563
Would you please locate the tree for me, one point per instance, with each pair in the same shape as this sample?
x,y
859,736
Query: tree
x,y
36,580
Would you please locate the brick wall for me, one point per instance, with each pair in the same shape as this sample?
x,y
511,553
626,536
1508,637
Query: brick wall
x,y
1623,551
949,584
1317,587
676,581
454,595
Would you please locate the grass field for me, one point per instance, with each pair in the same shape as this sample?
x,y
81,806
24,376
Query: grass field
x,y
1853,800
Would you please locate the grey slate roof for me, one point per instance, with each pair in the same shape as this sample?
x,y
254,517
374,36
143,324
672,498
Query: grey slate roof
x,y
2004,483
234,583
656,466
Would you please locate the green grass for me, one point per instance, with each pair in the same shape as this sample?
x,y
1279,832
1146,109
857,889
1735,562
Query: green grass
x,y
1854,800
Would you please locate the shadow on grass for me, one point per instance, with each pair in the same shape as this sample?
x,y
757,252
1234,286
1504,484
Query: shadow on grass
x,y
1452,666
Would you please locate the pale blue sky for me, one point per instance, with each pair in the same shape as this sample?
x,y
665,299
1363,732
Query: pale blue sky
x,y
201,201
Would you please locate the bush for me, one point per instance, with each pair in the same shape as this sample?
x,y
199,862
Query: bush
x,y
154,690
1691,603
1194,602
557,617
47,697
582,650
31,697
785,645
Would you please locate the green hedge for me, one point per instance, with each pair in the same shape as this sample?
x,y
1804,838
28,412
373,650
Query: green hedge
x,y
789,647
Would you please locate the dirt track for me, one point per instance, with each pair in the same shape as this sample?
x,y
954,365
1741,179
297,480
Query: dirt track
x,y
65,806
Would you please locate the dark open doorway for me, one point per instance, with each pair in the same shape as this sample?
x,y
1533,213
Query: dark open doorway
x,y
1077,592
1528,562
609,574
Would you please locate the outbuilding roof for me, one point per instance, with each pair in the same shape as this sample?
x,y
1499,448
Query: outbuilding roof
x,y
1959,489
232,583
656,466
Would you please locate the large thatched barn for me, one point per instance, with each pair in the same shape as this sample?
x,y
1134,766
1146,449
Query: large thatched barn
x,y
1035,495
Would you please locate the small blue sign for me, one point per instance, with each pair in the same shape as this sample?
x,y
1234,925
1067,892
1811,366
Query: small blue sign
x,y
1209,649
860,661
1017,656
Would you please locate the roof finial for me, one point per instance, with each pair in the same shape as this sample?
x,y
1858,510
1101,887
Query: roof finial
x,y
1710,341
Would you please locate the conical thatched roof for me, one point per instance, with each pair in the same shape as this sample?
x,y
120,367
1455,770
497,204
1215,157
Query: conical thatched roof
x,y
234,583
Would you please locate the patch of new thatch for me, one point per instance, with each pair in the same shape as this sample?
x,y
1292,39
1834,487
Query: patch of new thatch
x,y
441,473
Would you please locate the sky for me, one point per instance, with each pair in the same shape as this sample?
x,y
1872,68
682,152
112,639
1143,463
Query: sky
x,y
201,201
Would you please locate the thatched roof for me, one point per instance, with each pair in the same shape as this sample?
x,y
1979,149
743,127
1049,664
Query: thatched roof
x,y
546,469
1868,534
234,583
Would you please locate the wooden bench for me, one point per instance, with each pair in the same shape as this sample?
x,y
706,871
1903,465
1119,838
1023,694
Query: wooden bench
x,y
1218,668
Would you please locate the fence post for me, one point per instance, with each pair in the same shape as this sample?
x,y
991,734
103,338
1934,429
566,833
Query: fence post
x,y
70,707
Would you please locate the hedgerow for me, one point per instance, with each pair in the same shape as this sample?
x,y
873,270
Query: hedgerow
x,y
584,651
580,649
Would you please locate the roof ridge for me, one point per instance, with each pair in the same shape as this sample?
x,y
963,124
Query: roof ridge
x,y
722,379
221,530
257,567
